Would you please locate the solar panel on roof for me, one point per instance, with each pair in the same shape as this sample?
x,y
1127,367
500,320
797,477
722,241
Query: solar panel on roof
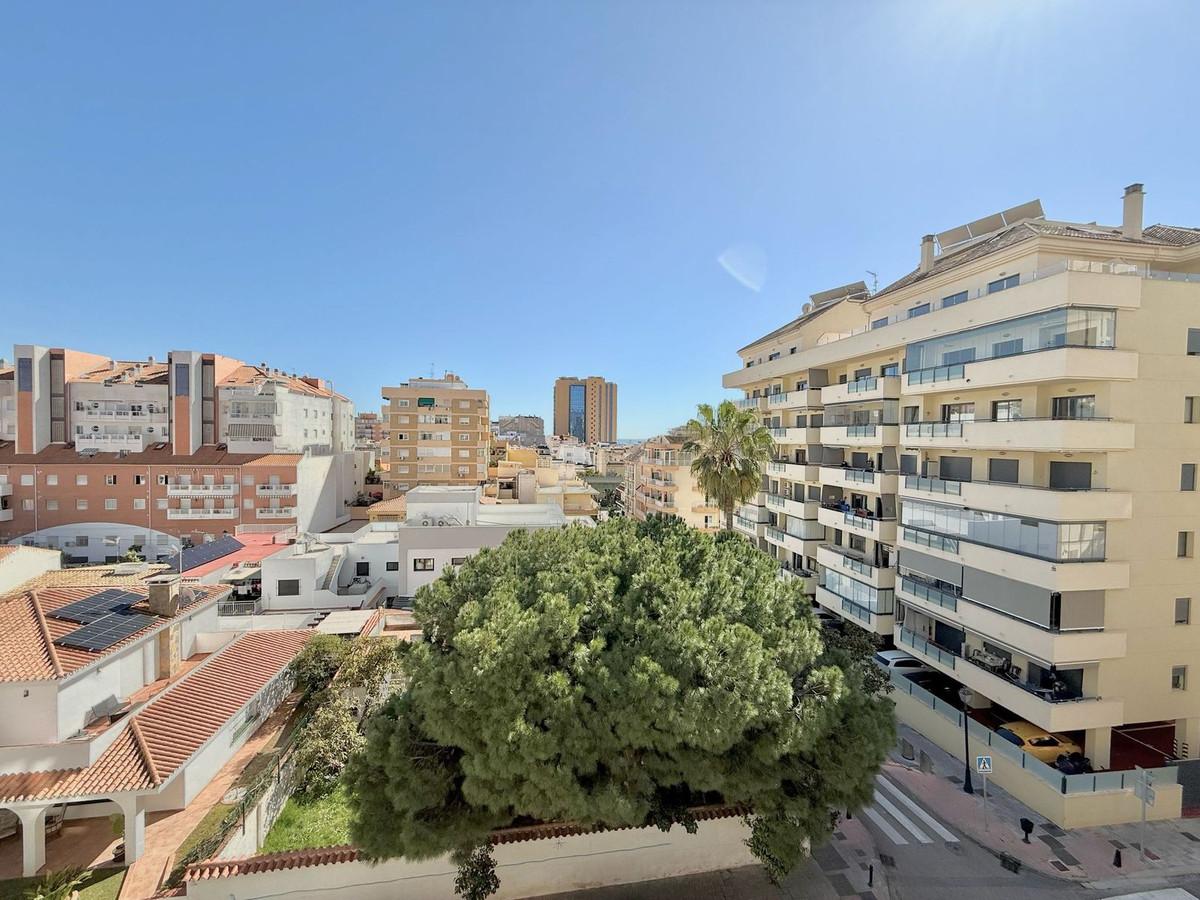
x,y
97,606
104,633
205,553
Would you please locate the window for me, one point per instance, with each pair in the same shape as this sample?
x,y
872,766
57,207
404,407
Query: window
x,y
248,503
1187,477
1183,610
463,436
248,480
162,479
110,479
954,299
80,503
27,504
393,566
879,323
362,568
891,370
1003,470
51,481
958,412
1006,410
953,357
1179,678
139,502
457,560
110,503
401,436
1183,545
51,505
423,564
139,479
288,587
1003,284
161,503
1191,410
1193,342
464,420
81,481
26,480
1083,407
1007,348
918,310
402,403
912,414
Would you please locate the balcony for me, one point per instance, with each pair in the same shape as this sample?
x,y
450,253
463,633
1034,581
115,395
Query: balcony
x,y
795,472
202,490
6,514
751,403
6,488
749,527
808,581
861,481
281,512
112,443
179,513
861,525
801,509
862,389
275,490
1059,364
809,398
1023,499
796,435
865,435
120,415
1053,576
876,620
664,483
1050,435
854,566
1052,646
793,543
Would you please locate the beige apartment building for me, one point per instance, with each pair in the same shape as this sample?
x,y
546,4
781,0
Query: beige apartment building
x,y
438,431
586,409
659,481
991,462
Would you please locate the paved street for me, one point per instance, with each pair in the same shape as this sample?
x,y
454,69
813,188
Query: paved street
x,y
915,854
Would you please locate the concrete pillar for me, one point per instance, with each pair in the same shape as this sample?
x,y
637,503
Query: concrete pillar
x,y
33,838
1097,746
1187,738
135,826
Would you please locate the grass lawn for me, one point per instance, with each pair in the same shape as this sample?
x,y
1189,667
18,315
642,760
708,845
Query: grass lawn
x,y
101,884
204,829
315,823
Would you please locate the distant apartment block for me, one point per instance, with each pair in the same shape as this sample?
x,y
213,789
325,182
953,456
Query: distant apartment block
x,y
658,480
368,429
991,463
101,454
528,431
438,433
586,409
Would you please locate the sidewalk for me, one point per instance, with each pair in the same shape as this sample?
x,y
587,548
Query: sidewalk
x,y
1083,855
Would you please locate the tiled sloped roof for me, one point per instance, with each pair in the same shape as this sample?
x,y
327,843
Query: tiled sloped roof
x,y
245,374
28,631
181,719
122,767
135,371
1175,235
156,455
323,856
169,730
276,459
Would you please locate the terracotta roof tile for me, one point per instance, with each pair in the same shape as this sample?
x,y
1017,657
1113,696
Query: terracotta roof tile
x,y
28,631
247,374
132,371
157,455
276,459
159,739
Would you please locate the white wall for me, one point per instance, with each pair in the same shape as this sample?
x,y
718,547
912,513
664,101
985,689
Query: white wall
x,y
31,719
97,551
17,568
525,869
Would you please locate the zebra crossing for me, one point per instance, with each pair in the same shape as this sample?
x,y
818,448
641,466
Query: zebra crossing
x,y
901,819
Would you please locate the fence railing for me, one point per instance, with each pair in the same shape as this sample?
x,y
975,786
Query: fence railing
x,y
928,648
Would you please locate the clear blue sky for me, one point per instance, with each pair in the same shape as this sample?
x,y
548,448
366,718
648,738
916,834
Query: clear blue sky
x,y
521,190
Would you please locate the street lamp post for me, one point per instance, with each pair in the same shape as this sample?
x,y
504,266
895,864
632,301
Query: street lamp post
x,y
964,694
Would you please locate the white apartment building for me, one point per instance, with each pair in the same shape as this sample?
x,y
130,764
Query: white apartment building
x,y
264,410
992,462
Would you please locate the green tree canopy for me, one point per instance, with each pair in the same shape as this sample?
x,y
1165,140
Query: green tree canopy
x,y
730,451
616,675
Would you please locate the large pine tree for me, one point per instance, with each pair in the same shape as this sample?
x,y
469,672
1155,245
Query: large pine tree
x,y
617,675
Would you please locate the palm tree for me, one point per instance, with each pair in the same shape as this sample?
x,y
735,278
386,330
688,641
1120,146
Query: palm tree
x,y
730,450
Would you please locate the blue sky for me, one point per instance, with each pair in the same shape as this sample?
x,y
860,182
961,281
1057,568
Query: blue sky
x,y
522,190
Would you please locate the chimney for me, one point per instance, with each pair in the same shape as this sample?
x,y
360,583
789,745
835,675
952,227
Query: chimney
x,y
1131,220
164,595
926,253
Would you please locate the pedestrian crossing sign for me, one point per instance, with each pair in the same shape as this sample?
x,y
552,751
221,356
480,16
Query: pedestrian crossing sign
x,y
983,765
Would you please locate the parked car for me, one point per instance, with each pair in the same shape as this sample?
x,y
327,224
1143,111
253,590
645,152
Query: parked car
x,y
945,689
1041,744
1073,764
899,661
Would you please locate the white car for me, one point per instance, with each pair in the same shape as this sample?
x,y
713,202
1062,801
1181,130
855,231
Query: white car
x,y
900,662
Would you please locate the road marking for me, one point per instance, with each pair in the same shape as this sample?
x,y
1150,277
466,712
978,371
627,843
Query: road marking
x,y
885,826
908,824
929,820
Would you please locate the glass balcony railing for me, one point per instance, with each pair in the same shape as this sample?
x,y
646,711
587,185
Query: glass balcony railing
x,y
932,485
929,593
933,429
861,385
927,539
928,648
937,373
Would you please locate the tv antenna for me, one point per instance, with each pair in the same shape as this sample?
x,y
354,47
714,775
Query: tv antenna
x,y
874,281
